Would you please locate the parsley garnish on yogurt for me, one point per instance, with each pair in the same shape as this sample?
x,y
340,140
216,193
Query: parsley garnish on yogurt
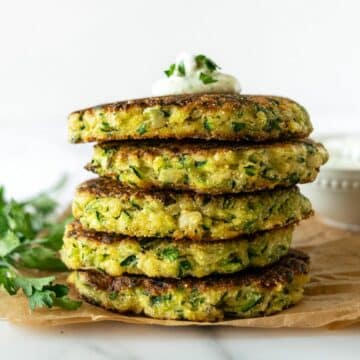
x,y
207,78
191,74
204,62
205,65
174,69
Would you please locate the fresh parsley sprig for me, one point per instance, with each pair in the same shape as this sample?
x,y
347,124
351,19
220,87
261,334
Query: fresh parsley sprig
x,y
30,239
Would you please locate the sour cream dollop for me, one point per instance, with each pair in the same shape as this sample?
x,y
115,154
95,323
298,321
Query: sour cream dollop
x,y
192,74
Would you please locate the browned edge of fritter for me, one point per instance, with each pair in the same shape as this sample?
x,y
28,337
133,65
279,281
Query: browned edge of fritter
x,y
147,186
105,187
212,102
241,138
199,147
206,101
294,263
76,231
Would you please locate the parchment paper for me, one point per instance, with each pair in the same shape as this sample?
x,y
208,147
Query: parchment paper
x,y
332,299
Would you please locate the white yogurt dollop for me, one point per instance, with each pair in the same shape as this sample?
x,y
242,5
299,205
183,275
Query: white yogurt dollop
x,y
195,74
344,152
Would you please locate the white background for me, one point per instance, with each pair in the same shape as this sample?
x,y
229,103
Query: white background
x,y
58,56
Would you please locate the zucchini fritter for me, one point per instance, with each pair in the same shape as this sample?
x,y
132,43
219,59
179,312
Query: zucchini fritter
x,y
201,116
250,293
212,168
103,205
154,257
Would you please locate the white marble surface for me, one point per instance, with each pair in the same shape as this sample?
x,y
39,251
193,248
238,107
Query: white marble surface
x,y
115,341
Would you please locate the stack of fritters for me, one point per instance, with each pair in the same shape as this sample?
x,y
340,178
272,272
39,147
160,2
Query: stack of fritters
x,y
193,213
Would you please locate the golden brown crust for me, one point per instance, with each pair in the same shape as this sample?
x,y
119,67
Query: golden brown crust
x,y
209,137
206,101
282,272
76,231
105,187
198,146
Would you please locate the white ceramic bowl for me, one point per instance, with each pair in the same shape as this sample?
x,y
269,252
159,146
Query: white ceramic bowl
x,y
335,194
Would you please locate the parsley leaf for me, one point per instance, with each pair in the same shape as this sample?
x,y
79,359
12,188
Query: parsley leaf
x,y
30,285
41,258
207,125
52,295
129,261
136,171
181,68
8,242
19,221
53,238
206,78
203,61
43,204
29,238
170,70
142,129
7,280
2,197
40,299
170,253
66,303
